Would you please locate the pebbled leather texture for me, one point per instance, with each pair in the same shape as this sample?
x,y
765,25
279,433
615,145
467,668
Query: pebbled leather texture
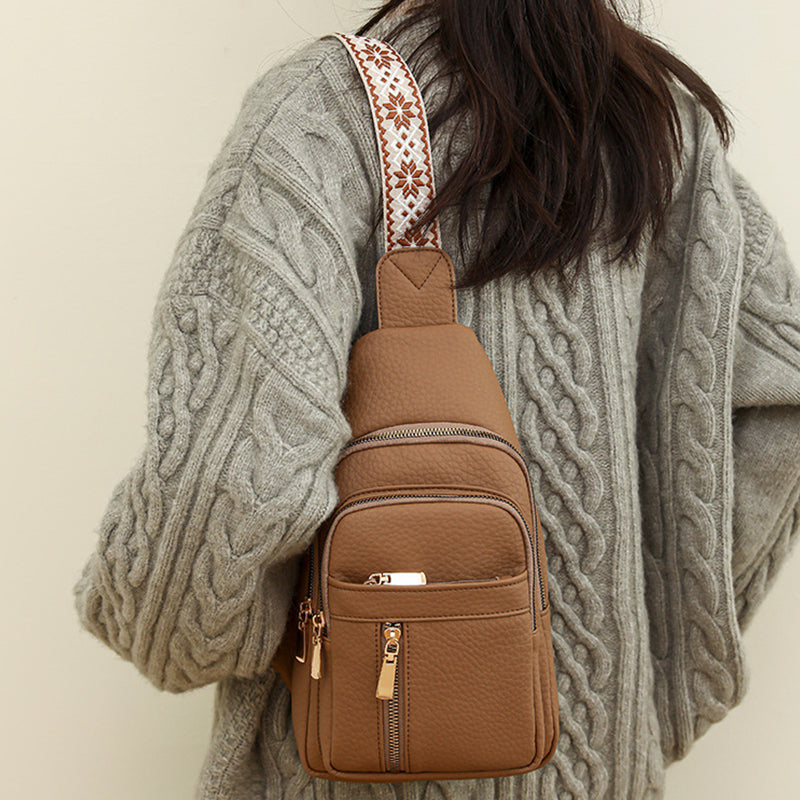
x,y
415,286
432,481
441,488
423,374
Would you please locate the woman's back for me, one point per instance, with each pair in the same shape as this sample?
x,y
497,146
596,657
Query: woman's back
x,y
623,384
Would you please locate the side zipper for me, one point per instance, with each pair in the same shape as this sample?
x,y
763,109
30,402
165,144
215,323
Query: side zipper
x,y
301,641
306,611
317,623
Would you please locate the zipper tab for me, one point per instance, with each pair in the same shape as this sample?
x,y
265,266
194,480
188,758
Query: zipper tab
x,y
386,678
398,578
301,641
317,621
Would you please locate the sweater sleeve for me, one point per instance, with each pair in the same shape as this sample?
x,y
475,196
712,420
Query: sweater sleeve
x,y
192,574
766,402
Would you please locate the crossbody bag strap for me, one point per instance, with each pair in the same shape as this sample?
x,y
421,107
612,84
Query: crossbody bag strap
x,y
401,128
415,278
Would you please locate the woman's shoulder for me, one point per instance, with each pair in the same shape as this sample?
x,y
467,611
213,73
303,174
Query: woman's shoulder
x,y
299,153
304,113
308,76
700,138
307,102
318,75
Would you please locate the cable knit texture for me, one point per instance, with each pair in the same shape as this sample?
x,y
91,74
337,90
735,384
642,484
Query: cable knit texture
x,y
658,410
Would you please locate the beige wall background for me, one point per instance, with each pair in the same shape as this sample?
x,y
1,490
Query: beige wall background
x,y
112,114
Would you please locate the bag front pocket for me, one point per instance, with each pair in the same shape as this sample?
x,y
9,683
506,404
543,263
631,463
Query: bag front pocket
x,y
435,678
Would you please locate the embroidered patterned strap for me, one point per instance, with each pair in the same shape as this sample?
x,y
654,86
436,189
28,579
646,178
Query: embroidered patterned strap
x,y
401,127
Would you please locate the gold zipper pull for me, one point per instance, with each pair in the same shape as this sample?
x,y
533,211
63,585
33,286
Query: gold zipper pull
x,y
301,640
391,649
399,578
317,621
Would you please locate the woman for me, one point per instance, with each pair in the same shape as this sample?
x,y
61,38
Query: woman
x,y
646,333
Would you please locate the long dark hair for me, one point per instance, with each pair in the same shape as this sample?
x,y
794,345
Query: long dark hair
x,y
554,89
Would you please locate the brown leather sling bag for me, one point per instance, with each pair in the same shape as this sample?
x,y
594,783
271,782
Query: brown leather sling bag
x,y
420,642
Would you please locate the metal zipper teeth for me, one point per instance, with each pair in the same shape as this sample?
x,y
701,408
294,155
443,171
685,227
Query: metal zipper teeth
x,y
393,717
393,711
454,430
432,431
310,583
418,495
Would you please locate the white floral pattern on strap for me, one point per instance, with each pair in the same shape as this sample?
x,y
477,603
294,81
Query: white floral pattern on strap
x,y
401,127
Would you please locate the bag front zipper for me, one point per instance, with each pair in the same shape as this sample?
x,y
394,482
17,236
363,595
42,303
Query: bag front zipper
x,y
439,430
316,592
321,584
388,690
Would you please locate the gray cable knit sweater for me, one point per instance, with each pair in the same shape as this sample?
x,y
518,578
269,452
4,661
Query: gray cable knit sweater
x,y
659,412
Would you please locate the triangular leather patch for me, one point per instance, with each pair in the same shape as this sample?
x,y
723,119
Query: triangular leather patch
x,y
415,286
417,276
